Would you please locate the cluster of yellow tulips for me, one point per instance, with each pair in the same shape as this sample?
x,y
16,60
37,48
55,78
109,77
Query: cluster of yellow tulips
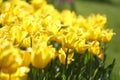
x,y
27,30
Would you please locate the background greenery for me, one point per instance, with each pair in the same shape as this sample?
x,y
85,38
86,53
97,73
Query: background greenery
x,y
110,8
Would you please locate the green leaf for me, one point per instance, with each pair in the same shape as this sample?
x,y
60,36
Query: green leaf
x,y
57,75
63,77
95,72
110,68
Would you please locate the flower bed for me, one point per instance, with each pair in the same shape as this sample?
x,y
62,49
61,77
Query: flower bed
x,y
37,42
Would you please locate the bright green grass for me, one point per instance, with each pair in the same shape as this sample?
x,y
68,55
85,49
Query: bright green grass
x,y
112,12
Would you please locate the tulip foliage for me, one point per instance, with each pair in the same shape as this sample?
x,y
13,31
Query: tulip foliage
x,y
37,42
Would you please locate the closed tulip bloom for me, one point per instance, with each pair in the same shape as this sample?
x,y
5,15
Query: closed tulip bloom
x,y
10,59
42,54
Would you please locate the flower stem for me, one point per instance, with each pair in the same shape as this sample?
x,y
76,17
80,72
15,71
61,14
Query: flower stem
x,y
9,76
0,73
31,42
66,65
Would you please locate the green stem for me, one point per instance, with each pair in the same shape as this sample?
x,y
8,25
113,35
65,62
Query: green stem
x,y
51,70
66,65
105,48
31,42
39,74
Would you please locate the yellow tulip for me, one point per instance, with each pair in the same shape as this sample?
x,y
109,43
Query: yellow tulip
x,y
62,57
106,35
10,59
20,74
81,46
69,40
101,55
68,18
94,47
26,43
94,33
38,3
26,58
17,35
41,54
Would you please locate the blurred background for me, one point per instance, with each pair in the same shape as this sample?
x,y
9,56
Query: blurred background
x,y
110,8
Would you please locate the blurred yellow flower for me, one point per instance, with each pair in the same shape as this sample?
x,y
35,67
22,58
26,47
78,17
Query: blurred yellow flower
x,y
62,57
69,40
0,2
20,74
42,54
81,46
94,33
26,43
17,35
38,3
101,55
94,47
68,18
26,58
106,35
10,59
